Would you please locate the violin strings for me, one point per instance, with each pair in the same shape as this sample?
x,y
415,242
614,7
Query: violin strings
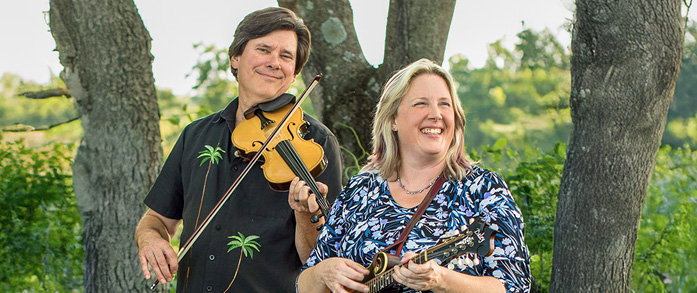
x,y
295,162
297,165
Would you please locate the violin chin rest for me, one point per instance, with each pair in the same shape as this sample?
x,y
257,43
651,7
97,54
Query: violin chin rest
x,y
277,103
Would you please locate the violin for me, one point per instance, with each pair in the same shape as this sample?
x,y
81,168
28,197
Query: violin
x,y
288,155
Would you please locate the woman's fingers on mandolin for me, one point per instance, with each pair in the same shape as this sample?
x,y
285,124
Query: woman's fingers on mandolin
x,y
408,256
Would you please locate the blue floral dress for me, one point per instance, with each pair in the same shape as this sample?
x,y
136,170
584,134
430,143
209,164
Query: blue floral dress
x,y
365,219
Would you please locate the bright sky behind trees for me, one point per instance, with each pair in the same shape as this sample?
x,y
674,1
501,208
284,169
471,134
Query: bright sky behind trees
x,y
27,45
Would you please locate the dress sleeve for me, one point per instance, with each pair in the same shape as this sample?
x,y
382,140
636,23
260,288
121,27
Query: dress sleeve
x,y
329,239
510,261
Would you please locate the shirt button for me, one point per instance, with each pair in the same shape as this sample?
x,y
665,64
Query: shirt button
x,y
218,227
234,169
209,288
211,257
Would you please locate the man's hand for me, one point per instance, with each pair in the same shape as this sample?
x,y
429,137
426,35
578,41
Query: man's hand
x,y
159,254
152,237
301,200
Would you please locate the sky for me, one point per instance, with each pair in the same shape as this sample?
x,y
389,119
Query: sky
x,y
27,47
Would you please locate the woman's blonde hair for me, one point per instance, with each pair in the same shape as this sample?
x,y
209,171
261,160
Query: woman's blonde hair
x,y
385,156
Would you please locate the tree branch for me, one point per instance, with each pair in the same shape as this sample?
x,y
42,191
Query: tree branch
x,y
18,127
45,94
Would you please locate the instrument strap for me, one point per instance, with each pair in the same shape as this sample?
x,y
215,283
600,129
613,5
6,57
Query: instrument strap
x,y
417,215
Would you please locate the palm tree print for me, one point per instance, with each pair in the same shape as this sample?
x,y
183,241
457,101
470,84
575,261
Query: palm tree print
x,y
212,156
247,246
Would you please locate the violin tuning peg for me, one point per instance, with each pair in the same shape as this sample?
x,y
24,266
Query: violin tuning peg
x,y
315,218
451,266
456,232
447,234
476,260
460,262
463,227
471,220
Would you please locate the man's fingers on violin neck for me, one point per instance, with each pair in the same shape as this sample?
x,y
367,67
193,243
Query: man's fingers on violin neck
x,y
322,187
312,205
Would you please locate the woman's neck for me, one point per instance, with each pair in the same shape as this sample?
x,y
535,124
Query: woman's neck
x,y
416,174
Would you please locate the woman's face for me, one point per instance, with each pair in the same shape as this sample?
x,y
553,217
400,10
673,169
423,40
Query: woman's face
x,y
425,118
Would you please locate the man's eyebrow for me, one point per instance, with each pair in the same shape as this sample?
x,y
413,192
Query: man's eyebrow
x,y
264,45
291,53
267,46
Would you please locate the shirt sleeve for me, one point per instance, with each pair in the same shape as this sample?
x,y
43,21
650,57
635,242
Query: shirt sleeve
x,y
166,196
510,261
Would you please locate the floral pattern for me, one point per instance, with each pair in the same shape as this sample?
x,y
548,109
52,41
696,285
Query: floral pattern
x,y
365,219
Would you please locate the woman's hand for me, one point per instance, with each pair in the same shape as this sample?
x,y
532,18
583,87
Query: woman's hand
x,y
336,274
420,277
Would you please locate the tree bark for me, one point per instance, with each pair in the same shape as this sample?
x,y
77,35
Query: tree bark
x,y
350,86
624,66
105,51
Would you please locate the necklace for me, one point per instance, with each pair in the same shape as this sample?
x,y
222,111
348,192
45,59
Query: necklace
x,y
418,191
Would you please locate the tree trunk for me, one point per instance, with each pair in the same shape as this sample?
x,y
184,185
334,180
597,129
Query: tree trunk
x,y
350,86
105,51
625,62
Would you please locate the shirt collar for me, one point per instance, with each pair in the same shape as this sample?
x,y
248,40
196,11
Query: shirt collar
x,y
227,114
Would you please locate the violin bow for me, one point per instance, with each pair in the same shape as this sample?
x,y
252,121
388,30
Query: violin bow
x,y
190,242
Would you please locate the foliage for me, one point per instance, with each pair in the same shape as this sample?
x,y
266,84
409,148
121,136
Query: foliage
x,y
351,170
533,178
15,108
40,240
521,94
214,82
666,250
682,117
18,112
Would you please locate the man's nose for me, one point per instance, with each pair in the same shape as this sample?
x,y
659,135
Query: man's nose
x,y
274,61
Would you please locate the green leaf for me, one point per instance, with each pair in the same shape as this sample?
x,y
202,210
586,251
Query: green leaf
x,y
500,144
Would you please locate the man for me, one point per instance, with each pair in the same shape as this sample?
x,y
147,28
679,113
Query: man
x,y
260,238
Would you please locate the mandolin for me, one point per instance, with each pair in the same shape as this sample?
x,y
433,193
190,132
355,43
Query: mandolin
x,y
477,239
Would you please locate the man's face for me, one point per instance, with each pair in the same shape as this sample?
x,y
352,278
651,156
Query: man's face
x,y
266,67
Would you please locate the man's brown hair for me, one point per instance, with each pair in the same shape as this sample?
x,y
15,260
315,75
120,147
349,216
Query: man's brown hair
x,y
265,21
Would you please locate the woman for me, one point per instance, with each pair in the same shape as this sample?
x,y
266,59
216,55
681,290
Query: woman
x,y
418,137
